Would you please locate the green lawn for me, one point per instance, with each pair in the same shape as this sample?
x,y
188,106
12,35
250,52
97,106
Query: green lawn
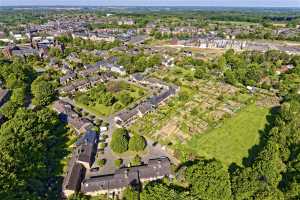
x,y
231,141
103,110
97,109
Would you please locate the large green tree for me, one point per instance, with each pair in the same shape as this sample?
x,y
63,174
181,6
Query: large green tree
x,y
137,143
43,92
159,191
119,141
209,180
31,149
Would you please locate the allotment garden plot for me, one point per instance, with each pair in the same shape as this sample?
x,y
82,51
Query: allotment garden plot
x,y
200,105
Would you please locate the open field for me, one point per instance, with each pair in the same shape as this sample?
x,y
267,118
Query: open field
x,y
231,141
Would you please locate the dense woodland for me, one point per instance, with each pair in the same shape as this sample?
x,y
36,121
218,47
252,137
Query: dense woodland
x,y
32,142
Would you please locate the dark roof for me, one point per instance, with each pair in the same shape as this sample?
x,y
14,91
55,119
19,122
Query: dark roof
x,y
87,147
145,107
74,177
127,114
86,153
155,100
90,70
124,177
116,181
137,76
66,77
68,115
89,137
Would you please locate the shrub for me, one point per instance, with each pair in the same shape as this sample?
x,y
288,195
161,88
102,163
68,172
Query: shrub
x,y
101,162
130,194
118,162
102,145
137,160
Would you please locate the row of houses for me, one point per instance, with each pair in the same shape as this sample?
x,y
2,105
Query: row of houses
x,y
128,116
82,159
19,51
68,115
81,84
115,183
38,47
219,43
107,65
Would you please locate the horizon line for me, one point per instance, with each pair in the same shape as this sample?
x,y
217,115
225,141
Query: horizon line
x,y
161,6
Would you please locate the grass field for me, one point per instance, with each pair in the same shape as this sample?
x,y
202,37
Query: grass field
x,y
231,141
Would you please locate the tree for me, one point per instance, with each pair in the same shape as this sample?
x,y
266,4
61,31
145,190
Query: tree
x,y
229,77
31,149
119,141
130,194
209,180
137,160
101,162
137,143
107,99
125,98
18,96
118,162
200,72
9,109
43,92
159,191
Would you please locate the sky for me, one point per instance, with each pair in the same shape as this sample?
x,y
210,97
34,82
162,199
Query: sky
x,y
226,3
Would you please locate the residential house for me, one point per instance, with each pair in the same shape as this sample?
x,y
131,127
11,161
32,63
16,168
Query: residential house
x,y
67,78
126,22
164,95
115,183
128,116
68,115
23,52
87,148
82,158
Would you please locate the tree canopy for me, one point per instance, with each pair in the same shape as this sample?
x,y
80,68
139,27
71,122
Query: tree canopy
x,y
137,143
119,141
209,180
29,158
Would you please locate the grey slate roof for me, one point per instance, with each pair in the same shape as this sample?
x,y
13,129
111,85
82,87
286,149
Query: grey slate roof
x,y
156,168
74,177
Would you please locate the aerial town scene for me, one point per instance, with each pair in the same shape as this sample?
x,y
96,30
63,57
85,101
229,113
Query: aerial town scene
x,y
149,100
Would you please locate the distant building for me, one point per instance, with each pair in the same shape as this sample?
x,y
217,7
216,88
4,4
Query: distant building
x,y
126,22
23,52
